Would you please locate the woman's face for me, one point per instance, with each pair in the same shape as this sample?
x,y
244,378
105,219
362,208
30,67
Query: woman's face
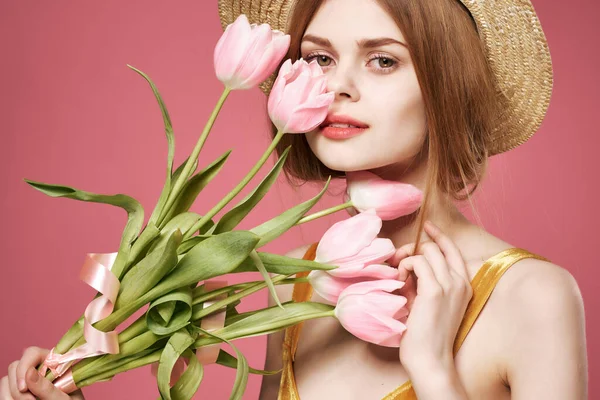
x,y
376,85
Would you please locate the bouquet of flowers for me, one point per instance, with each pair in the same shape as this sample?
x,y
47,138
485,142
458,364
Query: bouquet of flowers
x,y
175,263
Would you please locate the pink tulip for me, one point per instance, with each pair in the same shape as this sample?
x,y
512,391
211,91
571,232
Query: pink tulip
x,y
353,246
390,199
247,55
353,242
299,100
330,287
370,312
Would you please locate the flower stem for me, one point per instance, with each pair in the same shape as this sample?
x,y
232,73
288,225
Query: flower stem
x,y
192,159
225,200
325,212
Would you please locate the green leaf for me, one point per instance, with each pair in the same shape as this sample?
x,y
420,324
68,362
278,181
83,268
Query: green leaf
x,y
234,216
241,377
142,245
171,143
192,242
282,265
194,186
181,222
217,255
261,268
170,312
180,169
270,320
275,227
149,271
233,317
227,360
135,215
187,385
179,342
137,346
121,365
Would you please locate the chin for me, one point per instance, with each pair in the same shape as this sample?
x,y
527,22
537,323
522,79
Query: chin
x,y
347,155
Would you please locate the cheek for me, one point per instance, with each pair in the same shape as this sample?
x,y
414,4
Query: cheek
x,y
400,120
397,118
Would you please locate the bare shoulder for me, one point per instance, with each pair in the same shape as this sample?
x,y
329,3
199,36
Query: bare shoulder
x,y
535,288
540,325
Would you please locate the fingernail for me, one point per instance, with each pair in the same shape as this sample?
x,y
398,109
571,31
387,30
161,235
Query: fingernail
x,y
33,375
22,385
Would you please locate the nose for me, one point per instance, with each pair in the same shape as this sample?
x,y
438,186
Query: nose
x,y
341,80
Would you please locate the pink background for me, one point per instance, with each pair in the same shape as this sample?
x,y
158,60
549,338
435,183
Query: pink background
x,y
74,114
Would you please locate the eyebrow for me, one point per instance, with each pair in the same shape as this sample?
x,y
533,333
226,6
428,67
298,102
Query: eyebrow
x,y
362,43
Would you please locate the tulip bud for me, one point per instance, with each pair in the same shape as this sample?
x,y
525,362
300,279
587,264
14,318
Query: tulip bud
x,y
370,312
247,55
389,199
299,101
330,287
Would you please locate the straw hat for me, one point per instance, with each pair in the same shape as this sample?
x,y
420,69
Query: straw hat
x,y
515,46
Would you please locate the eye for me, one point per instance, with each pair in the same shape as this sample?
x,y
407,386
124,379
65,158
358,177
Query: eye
x,y
386,64
322,59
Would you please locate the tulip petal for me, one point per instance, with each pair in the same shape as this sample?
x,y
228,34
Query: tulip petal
x,y
369,326
362,288
395,329
348,237
378,251
306,119
219,47
390,199
233,49
260,38
377,271
346,270
269,61
315,68
329,287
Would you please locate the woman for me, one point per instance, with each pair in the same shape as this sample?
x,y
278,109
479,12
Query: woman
x,y
451,89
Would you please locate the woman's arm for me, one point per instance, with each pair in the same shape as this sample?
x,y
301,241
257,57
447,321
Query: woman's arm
x,y
546,345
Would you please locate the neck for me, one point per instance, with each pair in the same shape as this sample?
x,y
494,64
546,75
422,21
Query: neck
x,y
440,210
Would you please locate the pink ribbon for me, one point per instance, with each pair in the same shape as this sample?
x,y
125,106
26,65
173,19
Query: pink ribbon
x,y
206,354
96,273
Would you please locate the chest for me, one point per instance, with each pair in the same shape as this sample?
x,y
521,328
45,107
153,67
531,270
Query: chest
x,y
332,363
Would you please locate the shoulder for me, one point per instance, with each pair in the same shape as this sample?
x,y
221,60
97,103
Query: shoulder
x,y
541,326
541,318
536,290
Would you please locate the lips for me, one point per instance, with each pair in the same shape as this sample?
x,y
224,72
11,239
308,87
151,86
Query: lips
x,y
342,121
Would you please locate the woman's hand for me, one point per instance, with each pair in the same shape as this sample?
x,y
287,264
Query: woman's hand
x,y
438,292
24,383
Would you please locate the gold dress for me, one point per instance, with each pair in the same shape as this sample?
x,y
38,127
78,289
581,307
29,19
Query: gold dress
x,y
483,284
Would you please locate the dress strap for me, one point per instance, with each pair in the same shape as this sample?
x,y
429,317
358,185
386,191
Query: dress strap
x,y
302,292
483,285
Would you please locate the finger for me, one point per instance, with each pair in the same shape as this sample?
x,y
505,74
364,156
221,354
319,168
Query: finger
x,y
4,389
448,248
12,383
42,387
32,357
409,290
438,263
426,282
